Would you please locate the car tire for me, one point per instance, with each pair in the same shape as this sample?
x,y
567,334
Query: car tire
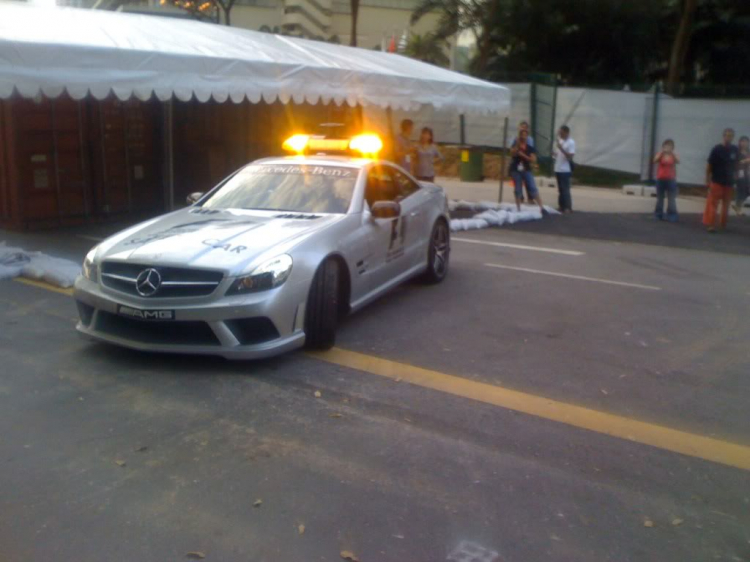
x,y
321,317
438,253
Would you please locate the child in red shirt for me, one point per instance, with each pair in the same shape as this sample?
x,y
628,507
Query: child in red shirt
x,y
666,181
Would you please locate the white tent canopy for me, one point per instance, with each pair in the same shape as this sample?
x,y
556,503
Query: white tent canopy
x,y
93,52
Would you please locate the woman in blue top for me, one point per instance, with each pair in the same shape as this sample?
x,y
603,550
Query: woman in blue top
x,y
427,156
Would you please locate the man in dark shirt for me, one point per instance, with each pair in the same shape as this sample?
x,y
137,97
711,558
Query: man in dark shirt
x,y
720,176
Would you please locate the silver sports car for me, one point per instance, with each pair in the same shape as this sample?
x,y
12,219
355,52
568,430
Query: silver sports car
x,y
267,261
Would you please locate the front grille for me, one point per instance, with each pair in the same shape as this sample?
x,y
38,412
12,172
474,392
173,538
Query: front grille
x,y
175,281
250,331
149,331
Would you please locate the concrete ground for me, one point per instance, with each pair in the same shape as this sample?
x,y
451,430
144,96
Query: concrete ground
x,y
585,199
576,390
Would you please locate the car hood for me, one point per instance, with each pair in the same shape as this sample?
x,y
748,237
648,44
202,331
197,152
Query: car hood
x,y
228,240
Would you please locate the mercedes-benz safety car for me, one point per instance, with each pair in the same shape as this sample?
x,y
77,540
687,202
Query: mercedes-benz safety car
x,y
271,258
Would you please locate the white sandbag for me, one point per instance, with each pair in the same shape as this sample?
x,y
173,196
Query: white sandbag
x,y
493,218
475,224
12,261
57,271
32,271
457,225
36,265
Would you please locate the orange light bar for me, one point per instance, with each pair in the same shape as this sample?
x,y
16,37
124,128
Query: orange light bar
x,y
296,143
366,144
335,145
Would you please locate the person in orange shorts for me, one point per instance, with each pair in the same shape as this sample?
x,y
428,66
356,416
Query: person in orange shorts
x,y
720,176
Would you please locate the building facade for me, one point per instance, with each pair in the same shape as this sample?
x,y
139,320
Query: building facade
x,y
379,23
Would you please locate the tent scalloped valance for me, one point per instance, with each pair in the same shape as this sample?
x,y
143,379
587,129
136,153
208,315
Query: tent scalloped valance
x,y
88,52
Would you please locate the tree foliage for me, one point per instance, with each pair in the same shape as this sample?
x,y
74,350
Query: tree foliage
x,y
607,42
427,48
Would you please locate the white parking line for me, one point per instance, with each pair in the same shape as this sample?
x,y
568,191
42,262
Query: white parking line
x,y
94,238
520,247
579,277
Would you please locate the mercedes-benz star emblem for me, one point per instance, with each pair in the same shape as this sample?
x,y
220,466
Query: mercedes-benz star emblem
x,y
148,282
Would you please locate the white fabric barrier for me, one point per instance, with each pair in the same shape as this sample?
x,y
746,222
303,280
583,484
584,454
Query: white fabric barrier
x,y
612,129
696,125
488,130
479,130
607,126
16,262
445,124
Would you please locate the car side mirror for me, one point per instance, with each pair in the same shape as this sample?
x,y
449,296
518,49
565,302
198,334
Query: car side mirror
x,y
385,209
193,198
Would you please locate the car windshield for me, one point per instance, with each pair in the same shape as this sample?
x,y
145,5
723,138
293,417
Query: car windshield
x,y
287,187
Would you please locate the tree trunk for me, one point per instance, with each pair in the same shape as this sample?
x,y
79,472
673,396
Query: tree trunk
x,y
680,45
355,14
224,7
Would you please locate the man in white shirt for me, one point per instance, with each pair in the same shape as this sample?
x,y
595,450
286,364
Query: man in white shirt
x,y
565,149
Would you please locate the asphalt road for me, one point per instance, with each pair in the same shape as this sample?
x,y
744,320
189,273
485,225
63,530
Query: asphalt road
x,y
108,454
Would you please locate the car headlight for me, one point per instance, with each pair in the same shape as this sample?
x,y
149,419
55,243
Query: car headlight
x,y
268,275
90,268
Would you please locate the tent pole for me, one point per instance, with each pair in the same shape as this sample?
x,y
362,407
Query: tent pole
x,y
359,119
502,160
102,141
389,122
169,130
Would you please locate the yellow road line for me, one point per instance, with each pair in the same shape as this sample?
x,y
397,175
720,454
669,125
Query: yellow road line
x,y
44,285
707,448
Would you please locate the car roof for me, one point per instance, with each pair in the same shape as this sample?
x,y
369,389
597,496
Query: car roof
x,y
321,160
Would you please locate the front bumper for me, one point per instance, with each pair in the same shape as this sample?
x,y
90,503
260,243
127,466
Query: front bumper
x,y
250,326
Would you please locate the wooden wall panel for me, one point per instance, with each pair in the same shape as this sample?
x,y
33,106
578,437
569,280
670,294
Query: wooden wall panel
x,y
35,159
4,163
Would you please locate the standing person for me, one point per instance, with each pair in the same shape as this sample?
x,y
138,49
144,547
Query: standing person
x,y
524,126
523,157
403,149
666,181
720,176
743,176
427,156
564,152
